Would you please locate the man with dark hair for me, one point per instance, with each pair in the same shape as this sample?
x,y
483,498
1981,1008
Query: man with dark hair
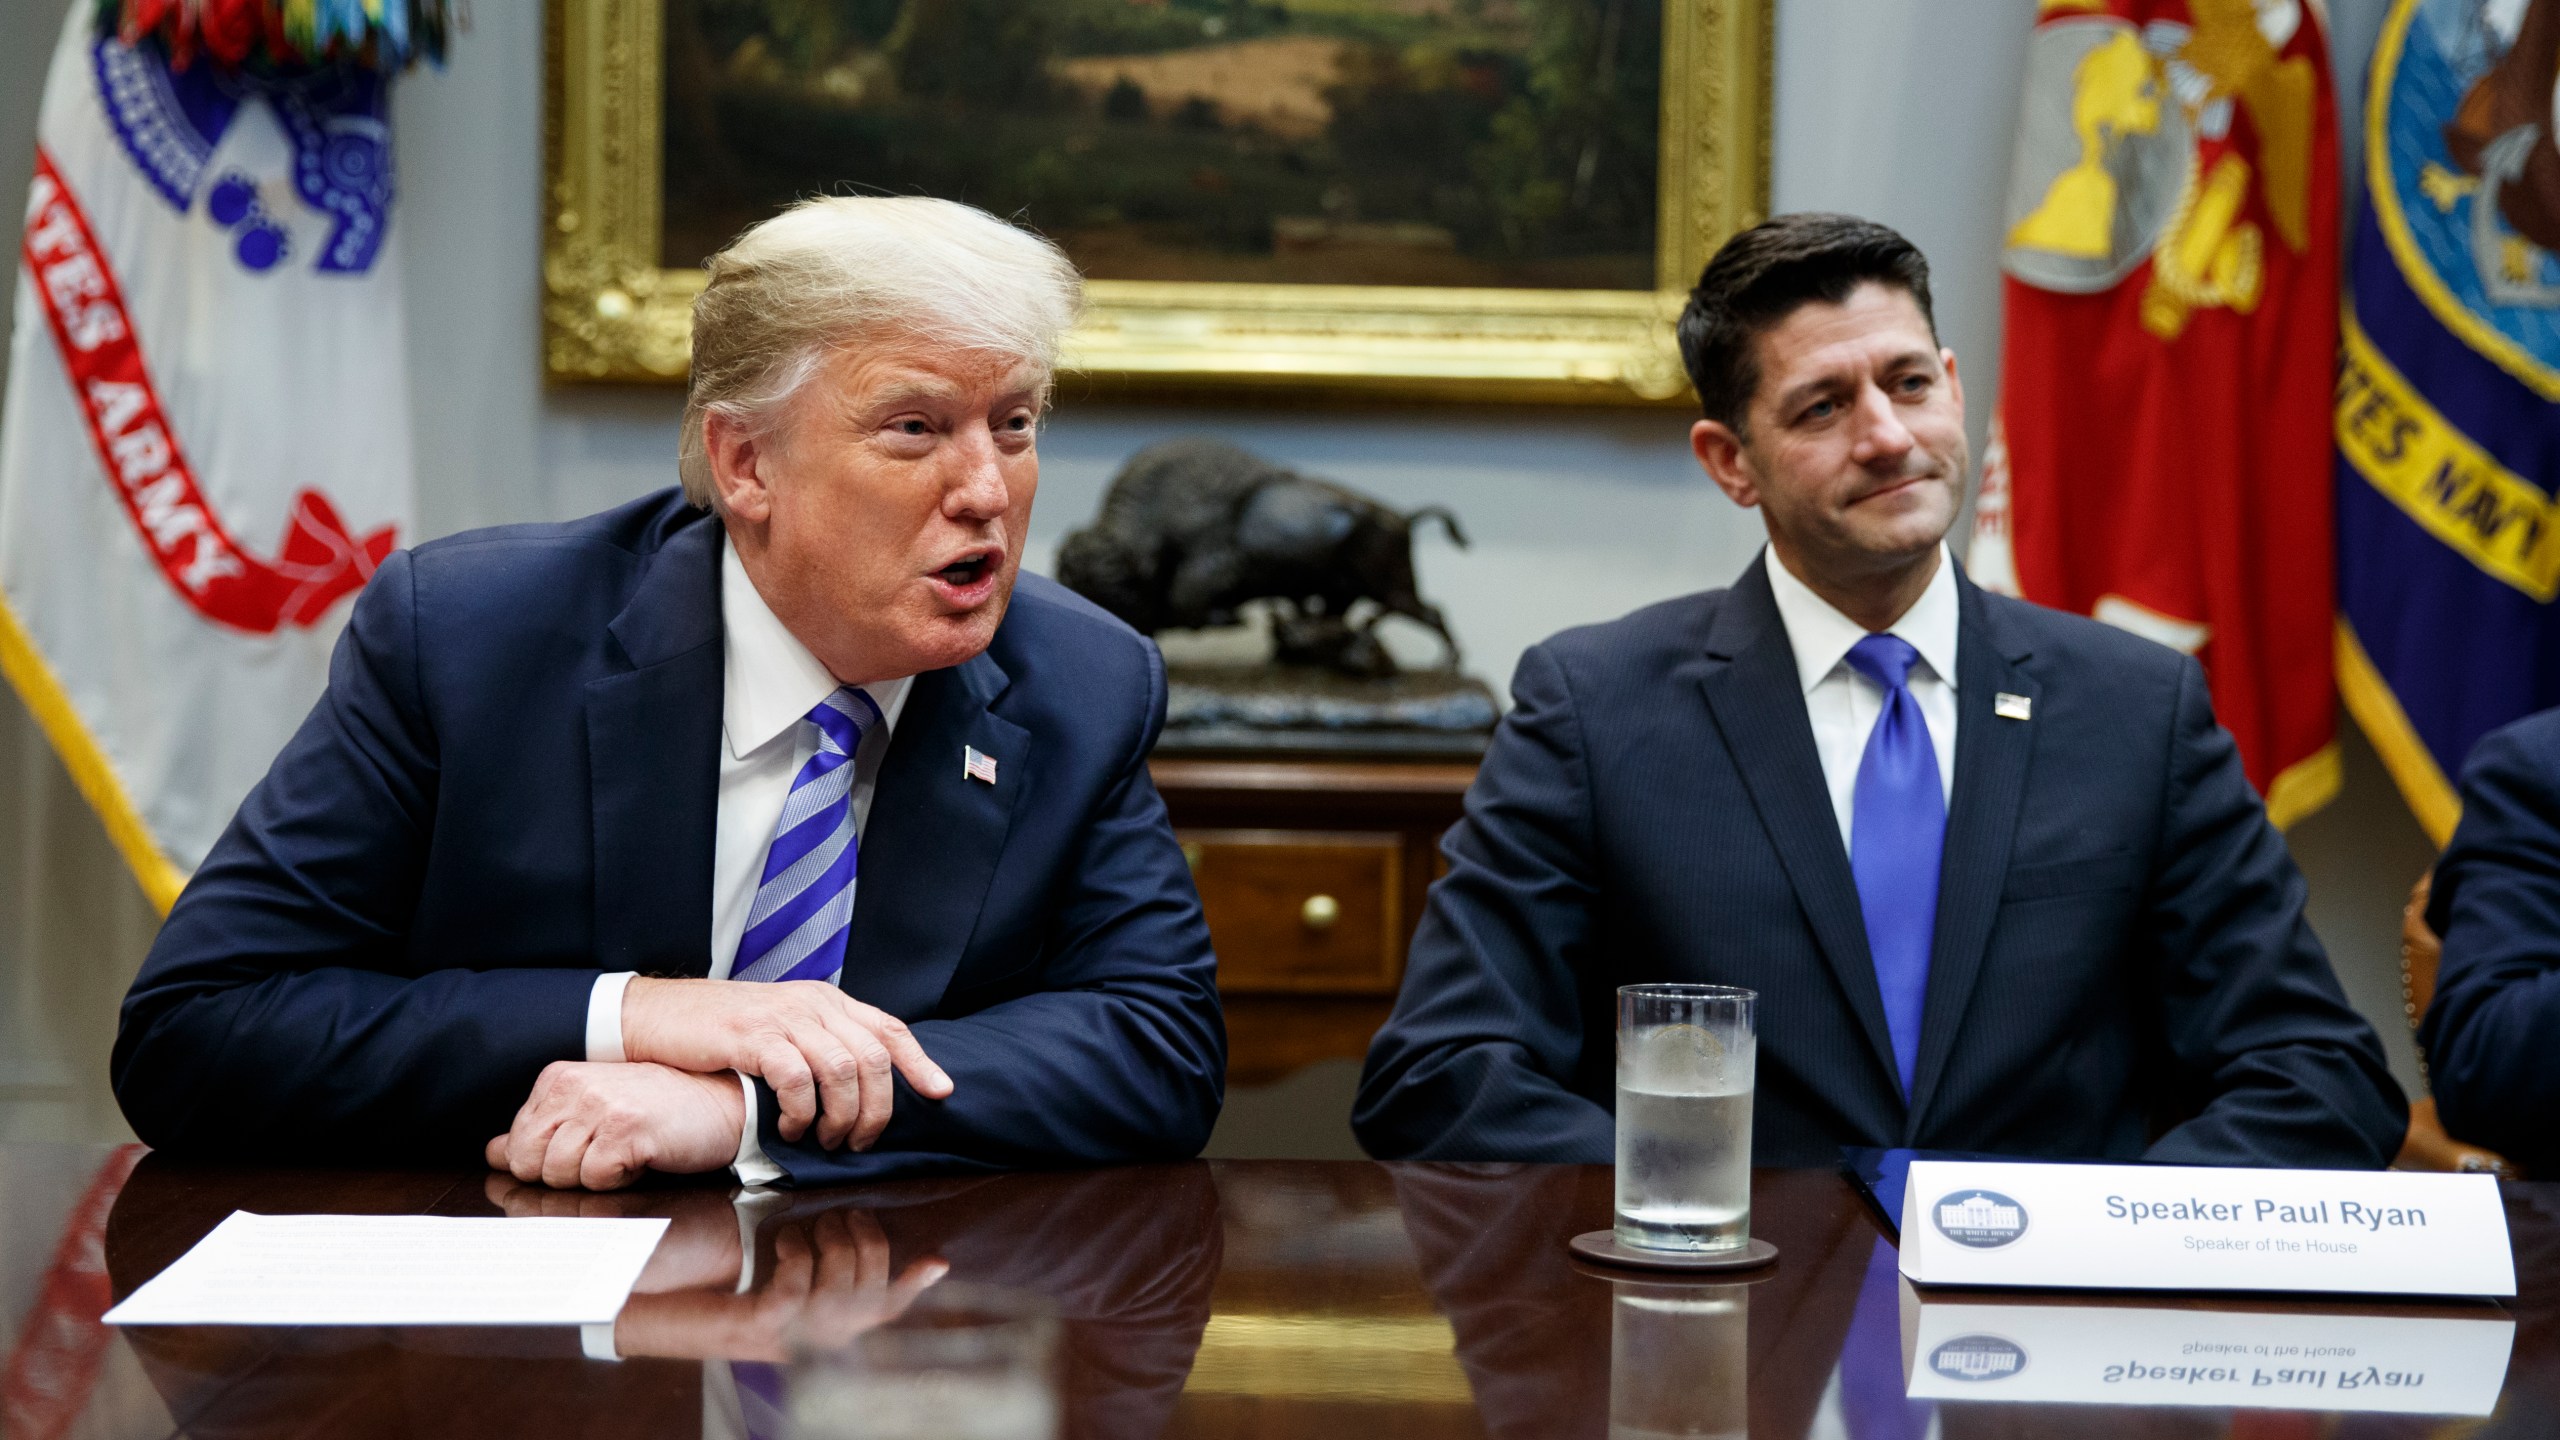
x,y
2496,902
1994,870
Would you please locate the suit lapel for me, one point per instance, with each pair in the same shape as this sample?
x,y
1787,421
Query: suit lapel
x,y
930,848
653,764
1758,701
1992,752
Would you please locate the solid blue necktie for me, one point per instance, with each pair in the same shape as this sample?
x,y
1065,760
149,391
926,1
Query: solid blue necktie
x,y
1897,835
804,904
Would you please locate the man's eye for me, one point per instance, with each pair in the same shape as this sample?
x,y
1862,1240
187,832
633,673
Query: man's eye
x,y
1820,410
912,427
1912,384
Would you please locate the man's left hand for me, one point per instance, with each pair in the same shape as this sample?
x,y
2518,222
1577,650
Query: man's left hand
x,y
601,1126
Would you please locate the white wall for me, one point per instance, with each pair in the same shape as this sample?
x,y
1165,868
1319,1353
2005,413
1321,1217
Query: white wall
x,y
1897,109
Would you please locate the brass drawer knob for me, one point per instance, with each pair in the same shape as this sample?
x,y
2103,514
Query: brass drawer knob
x,y
1191,854
1319,912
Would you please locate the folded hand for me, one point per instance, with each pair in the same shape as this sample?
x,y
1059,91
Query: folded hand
x,y
809,1040
602,1125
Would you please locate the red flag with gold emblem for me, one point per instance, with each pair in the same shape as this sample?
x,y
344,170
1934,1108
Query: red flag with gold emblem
x,y
2160,458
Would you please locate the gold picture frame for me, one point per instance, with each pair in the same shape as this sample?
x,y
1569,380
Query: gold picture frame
x,y
613,313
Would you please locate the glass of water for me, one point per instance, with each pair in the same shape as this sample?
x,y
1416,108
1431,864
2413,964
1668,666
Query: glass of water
x,y
964,1362
1685,1056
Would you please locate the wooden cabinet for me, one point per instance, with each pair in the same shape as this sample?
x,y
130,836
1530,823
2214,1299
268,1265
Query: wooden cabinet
x,y
1312,874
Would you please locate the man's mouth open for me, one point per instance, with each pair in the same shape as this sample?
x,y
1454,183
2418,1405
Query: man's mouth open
x,y
969,579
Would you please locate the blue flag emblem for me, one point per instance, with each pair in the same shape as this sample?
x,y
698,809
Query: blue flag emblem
x,y
2448,418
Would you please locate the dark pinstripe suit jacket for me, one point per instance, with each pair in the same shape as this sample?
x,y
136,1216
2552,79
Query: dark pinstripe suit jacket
x,y
2121,966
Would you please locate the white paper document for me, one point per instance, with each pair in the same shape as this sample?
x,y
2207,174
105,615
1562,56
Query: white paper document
x,y
398,1270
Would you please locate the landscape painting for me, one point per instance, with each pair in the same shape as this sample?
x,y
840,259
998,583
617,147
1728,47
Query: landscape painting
x,y
1500,143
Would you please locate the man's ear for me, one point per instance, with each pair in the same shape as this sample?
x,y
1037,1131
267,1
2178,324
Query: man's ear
x,y
1720,453
1955,383
741,466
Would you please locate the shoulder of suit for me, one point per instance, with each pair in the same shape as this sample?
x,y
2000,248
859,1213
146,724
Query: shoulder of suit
x,y
1045,618
1639,639
2525,751
2060,638
544,584
631,531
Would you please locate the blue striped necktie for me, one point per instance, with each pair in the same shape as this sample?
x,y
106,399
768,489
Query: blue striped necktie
x,y
804,904
1897,835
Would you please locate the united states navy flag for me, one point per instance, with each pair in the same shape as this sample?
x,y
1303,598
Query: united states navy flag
x,y
2448,436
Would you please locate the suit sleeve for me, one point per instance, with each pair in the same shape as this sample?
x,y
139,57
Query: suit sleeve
x,y
1119,1057
2488,1032
2259,1035
1477,1061
279,1014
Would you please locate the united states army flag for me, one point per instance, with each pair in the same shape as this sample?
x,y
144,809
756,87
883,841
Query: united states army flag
x,y
205,445
2161,456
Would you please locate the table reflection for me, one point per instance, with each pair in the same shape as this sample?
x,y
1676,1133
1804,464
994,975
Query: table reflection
x,y
1552,1348
2529,1405
1679,1360
1128,1256
1997,1349
1265,1298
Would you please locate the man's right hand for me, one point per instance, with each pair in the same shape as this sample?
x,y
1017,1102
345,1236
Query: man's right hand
x,y
827,1055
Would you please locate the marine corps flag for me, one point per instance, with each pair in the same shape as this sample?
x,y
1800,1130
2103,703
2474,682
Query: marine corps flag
x,y
2160,457
204,449
2448,437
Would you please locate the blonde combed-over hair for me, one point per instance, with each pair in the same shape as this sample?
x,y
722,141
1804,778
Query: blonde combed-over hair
x,y
834,274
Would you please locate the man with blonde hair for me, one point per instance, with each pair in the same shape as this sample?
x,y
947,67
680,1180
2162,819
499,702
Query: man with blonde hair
x,y
776,825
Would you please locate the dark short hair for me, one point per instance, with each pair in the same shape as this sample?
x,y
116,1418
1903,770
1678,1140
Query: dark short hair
x,y
1768,272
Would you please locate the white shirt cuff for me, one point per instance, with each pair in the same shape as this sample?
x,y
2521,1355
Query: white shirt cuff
x,y
751,1166
596,1341
604,1016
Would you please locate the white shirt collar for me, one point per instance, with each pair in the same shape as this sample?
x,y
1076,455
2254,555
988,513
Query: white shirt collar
x,y
770,680
1821,635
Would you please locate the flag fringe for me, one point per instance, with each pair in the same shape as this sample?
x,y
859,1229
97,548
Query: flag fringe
x,y
2377,712
2303,787
90,768
385,35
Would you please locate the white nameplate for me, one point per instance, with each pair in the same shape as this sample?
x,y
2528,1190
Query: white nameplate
x,y
2159,1227
2104,1355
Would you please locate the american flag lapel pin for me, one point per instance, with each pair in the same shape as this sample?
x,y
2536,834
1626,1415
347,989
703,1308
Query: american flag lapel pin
x,y
2012,707
977,764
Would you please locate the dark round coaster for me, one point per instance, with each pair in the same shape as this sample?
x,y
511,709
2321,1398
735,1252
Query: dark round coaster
x,y
1603,1246
1699,1280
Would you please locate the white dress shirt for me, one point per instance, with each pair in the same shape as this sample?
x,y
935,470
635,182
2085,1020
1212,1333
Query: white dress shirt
x,y
769,684
1844,704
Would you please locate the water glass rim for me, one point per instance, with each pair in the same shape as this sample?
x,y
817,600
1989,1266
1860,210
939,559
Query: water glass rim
x,y
1670,991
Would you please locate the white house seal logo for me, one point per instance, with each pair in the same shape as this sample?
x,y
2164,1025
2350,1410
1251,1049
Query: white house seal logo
x,y
1976,1358
1979,1219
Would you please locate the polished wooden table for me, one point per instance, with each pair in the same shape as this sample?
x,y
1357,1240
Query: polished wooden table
x,y
1259,1299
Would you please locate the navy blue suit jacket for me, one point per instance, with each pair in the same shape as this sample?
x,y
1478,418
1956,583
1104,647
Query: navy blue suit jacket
x,y
2120,946
2488,1034
512,784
